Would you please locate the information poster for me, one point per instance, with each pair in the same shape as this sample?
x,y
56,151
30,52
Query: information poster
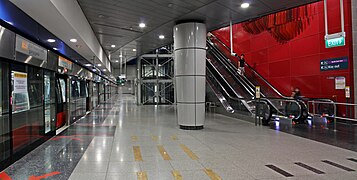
x,y
340,82
20,99
20,82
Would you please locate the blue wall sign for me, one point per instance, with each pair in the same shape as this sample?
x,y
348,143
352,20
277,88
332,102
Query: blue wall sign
x,y
334,64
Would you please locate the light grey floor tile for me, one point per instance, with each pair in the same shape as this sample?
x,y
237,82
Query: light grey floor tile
x,y
123,167
186,165
91,167
122,176
87,176
194,175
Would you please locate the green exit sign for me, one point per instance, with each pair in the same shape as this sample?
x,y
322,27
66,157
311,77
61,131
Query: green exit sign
x,y
335,42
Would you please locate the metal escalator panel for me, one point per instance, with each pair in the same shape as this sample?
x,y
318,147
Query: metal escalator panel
x,y
220,67
250,75
278,104
220,96
225,95
233,88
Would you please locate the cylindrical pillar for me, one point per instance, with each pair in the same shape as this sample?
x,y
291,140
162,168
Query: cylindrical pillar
x,y
190,74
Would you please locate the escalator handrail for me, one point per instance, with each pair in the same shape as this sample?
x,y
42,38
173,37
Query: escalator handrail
x,y
263,100
244,84
266,99
255,72
243,100
238,95
220,97
229,67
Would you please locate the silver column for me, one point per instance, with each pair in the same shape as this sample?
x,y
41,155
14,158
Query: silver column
x,y
354,47
190,74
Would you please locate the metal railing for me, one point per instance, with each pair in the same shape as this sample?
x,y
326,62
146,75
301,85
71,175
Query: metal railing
x,y
319,108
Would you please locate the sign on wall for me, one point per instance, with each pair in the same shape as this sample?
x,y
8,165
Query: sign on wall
x,y
65,63
340,82
29,48
347,92
257,92
335,42
334,64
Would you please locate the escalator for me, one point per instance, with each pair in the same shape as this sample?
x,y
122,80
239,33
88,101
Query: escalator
x,y
238,91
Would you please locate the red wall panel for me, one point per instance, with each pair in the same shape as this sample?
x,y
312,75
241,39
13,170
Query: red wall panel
x,y
296,63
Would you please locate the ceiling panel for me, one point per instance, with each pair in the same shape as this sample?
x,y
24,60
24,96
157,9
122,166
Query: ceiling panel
x,y
116,21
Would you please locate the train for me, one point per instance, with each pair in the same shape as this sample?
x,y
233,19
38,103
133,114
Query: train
x,y
42,93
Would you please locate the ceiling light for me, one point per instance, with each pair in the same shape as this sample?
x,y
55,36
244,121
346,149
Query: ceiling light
x,y
162,37
73,40
116,61
99,65
55,49
51,40
134,50
121,55
104,70
113,46
142,25
244,5
88,65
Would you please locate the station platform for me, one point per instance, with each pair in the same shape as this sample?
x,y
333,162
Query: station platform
x,y
120,140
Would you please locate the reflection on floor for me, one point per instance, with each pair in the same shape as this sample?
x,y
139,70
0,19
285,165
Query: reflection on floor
x,y
344,137
120,140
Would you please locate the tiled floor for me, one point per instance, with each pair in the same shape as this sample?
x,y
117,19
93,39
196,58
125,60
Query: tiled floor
x,y
123,141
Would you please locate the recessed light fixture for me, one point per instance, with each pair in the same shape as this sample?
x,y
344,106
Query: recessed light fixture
x,y
162,37
51,40
73,40
244,5
99,65
116,61
104,70
134,50
113,46
55,49
120,55
142,25
88,65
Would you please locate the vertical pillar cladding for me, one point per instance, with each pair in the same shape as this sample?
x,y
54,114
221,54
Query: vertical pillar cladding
x,y
190,74
354,45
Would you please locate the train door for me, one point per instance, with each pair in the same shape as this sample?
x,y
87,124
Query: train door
x,y
89,95
61,100
95,94
49,102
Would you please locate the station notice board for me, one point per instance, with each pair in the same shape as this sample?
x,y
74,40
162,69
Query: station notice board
x,y
334,64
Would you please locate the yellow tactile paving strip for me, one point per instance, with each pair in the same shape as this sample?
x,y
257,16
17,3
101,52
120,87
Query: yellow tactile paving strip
x,y
212,174
134,138
176,174
154,138
163,152
142,175
174,138
189,152
137,153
